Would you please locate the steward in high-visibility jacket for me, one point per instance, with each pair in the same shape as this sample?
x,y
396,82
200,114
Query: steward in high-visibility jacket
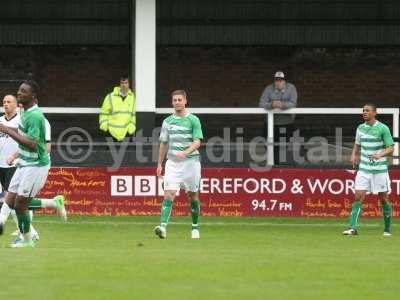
x,y
118,114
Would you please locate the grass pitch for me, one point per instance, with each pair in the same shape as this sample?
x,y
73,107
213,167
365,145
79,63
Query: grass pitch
x,y
236,258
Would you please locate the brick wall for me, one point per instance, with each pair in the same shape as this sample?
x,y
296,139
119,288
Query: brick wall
x,y
68,76
216,76
237,76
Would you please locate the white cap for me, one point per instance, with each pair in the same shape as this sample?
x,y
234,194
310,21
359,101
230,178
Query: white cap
x,y
279,74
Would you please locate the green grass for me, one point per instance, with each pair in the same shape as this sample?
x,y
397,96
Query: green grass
x,y
236,258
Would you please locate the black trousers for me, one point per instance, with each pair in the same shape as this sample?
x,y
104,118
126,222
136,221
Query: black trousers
x,y
5,177
282,134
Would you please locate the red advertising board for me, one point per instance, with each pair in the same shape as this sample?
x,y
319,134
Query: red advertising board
x,y
224,192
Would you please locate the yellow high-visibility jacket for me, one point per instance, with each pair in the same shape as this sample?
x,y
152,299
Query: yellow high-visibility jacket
x,y
118,116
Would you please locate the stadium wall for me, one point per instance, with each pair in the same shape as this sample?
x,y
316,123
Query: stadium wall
x,y
214,76
234,192
68,76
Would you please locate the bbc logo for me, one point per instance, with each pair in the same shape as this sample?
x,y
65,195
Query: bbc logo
x,y
126,185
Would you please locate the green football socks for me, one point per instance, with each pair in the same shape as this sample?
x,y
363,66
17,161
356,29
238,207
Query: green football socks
x,y
387,215
166,212
355,214
35,203
24,222
195,208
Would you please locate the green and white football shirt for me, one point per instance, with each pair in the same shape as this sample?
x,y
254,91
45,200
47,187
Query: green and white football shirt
x,y
32,126
373,139
180,133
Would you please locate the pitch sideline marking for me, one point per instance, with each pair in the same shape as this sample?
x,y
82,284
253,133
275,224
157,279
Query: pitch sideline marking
x,y
261,224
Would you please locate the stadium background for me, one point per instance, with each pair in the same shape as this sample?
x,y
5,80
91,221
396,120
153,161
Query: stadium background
x,y
337,53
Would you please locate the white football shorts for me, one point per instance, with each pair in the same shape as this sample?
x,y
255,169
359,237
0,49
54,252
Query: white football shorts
x,y
184,174
28,181
372,183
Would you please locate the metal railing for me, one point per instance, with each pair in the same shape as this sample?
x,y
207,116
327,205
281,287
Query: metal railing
x,y
309,111
255,110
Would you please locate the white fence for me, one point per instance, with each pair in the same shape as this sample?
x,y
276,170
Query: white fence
x,y
254,110
309,111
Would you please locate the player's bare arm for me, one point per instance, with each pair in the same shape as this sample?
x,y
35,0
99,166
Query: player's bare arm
x,y
12,158
387,152
161,156
355,155
193,147
32,144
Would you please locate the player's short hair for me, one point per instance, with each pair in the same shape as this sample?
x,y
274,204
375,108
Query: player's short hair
x,y
372,105
179,92
34,86
11,96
